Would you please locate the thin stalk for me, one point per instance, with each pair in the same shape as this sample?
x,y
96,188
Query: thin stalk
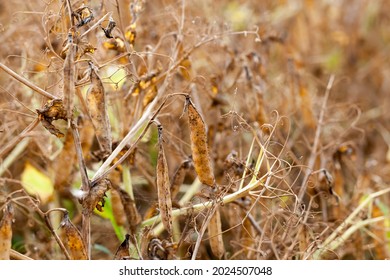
x,y
205,205
14,155
341,240
248,160
27,82
210,214
126,176
348,221
18,256
102,171
313,153
46,218
96,24
18,138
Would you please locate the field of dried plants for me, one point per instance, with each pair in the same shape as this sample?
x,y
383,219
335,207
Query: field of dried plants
x,y
194,129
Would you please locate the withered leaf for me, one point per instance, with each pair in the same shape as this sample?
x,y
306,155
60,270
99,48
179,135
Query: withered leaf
x,y
83,15
115,44
52,110
161,249
108,30
95,198
131,34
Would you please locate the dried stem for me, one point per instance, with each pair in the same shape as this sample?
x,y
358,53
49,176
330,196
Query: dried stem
x,y
313,154
18,256
332,241
18,138
101,173
210,214
26,82
46,218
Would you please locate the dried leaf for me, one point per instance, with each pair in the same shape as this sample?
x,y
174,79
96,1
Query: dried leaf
x,y
53,110
115,44
6,232
108,30
122,253
95,197
150,94
131,34
160,249
215,233
199,147
146,83
74,240
97,107
163,187
83,15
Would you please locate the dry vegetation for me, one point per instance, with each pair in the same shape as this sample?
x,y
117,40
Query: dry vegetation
x,y
194,129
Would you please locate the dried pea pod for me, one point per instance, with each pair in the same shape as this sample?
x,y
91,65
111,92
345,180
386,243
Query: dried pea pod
x,y
215,233
74,240
97,107
69,78
163,186
199,147
6,232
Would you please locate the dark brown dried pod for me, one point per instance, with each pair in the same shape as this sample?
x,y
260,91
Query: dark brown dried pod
x,y
122,253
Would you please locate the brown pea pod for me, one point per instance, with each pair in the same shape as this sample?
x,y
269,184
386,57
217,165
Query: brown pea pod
x,y
199,147
69,79
6,232
214,229
64,165
163,186
130,209
117,208
74,240
97,107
